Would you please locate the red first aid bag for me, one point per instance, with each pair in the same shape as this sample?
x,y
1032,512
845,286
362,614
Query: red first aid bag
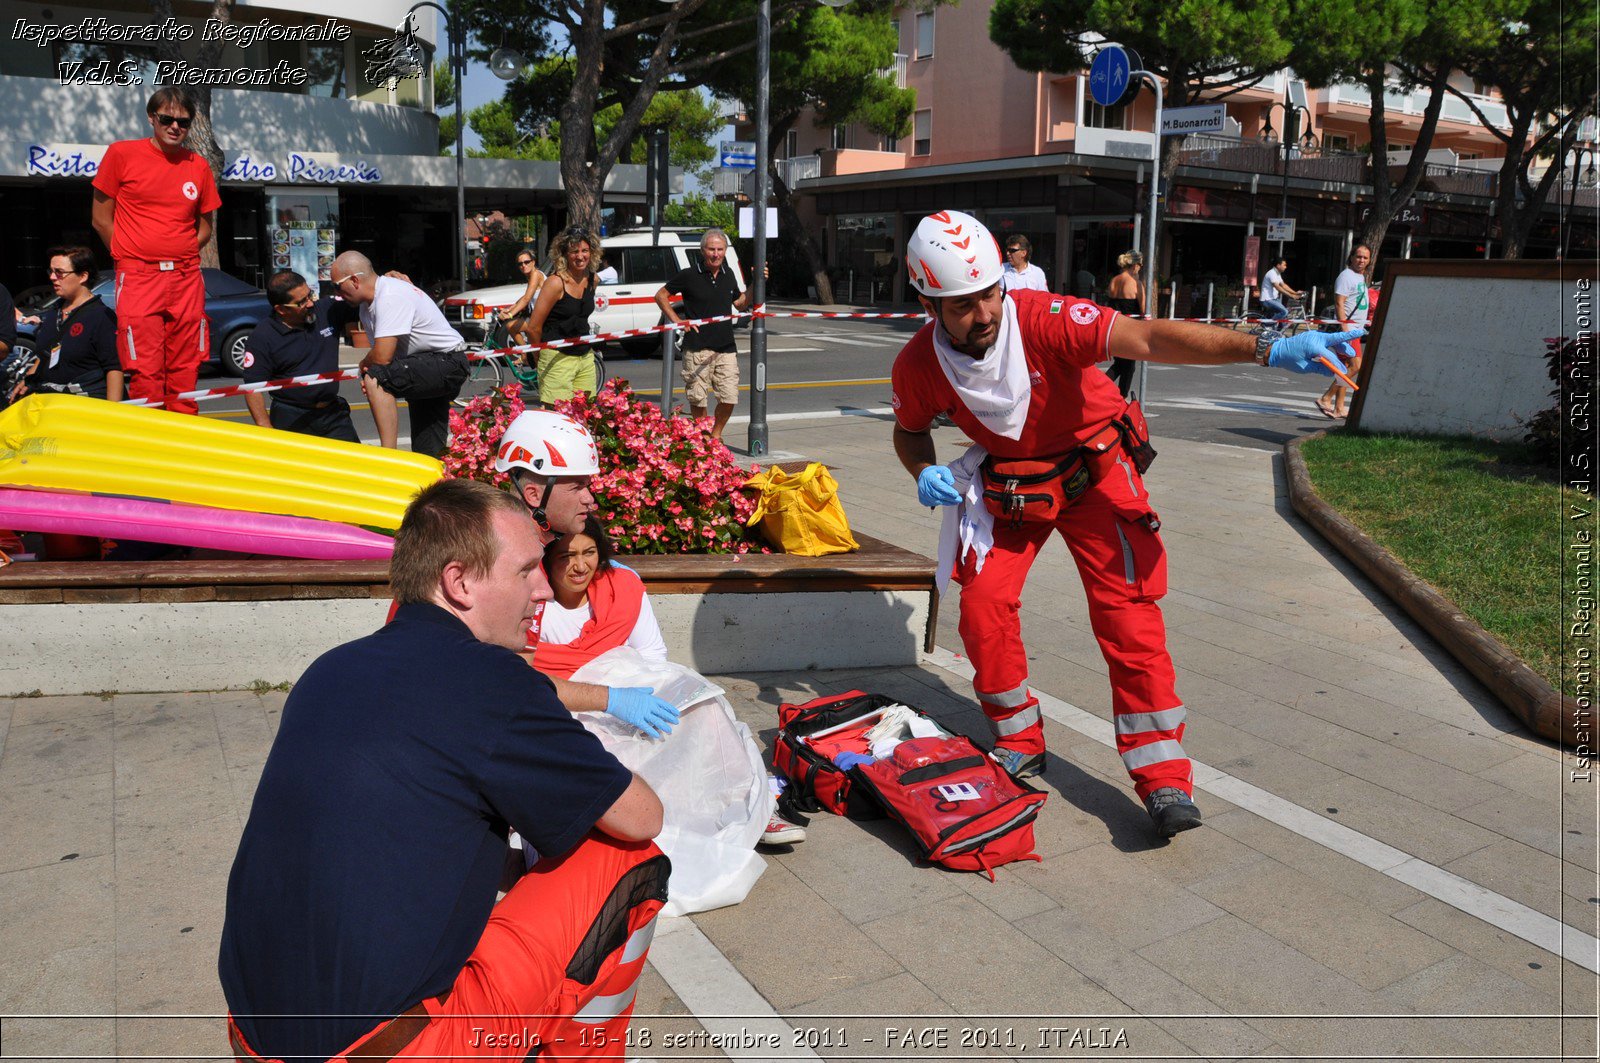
x,y
962,808
810,735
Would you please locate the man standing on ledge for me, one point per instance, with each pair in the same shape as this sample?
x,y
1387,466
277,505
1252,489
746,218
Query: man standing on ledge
x,y
361,919
415,353
1016,372
154,204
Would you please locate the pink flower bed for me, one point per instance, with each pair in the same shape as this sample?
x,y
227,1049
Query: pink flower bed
x,y
665,486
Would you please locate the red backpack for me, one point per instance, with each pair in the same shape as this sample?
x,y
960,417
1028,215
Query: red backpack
x,y
961,807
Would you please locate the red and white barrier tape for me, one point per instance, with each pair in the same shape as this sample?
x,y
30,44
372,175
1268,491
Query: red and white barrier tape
x,y
206,394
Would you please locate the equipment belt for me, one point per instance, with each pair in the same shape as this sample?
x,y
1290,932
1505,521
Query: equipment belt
x,y
383,1044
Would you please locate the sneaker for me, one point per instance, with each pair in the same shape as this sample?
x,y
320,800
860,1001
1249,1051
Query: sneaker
x,y
1017,764
781,832
1172,810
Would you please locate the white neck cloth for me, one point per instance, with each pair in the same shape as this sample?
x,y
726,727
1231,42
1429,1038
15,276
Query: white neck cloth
x,y
995,387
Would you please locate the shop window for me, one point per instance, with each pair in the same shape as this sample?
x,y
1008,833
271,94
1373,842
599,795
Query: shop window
x,y
1100,117
325,67
925,35
288,53
922,133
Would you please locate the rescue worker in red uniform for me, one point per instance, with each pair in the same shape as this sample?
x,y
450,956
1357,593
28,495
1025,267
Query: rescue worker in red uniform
x,y
1017,373
154,204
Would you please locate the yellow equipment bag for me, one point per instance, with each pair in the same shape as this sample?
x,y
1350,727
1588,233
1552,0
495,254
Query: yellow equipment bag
x,y
802,514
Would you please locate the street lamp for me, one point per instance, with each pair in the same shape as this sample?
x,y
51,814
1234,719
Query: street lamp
x,y
506,64
758,212
1294,105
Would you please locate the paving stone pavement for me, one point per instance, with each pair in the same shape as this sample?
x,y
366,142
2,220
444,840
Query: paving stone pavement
x,y
119,815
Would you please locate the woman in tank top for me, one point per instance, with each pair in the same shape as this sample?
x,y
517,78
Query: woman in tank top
x,y
1125,293
562,313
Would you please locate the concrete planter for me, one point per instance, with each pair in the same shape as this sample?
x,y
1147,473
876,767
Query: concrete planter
x,y
214,625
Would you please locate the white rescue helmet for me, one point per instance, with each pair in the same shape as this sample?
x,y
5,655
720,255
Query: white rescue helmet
x,y
952,253
549,444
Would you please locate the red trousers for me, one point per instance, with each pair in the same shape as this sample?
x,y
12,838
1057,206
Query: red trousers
x,y
1113,535
162,334
558,963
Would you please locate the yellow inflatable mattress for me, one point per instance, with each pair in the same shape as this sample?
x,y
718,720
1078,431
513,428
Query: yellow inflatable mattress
x,y
73,443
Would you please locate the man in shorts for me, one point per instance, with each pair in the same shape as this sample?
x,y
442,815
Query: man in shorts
x,y
710,358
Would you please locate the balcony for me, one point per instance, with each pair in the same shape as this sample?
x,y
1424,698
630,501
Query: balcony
x,y
837,162
1115,143
1347,95
1460,180
897,70
798,169
1252,155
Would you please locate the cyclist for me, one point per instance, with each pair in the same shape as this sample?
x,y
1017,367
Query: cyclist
x,y
1271,285
515,316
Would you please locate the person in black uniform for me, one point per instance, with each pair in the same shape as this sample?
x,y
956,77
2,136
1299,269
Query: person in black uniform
x,y
710,358
562,313
77,340
297,340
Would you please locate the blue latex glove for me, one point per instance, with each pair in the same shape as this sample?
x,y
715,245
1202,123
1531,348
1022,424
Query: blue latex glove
x,y
936,486
844,760
640,707
1299,354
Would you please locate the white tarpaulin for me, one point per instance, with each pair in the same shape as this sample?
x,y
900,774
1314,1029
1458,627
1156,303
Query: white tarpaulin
x,y
708,773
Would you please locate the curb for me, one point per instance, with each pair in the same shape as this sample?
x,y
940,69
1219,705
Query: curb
x,y
1522,690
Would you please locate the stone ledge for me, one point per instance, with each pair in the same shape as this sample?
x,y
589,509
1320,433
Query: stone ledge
x,y
1526,693
209,625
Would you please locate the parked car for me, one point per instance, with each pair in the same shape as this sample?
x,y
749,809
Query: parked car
x,y
642,268
233,309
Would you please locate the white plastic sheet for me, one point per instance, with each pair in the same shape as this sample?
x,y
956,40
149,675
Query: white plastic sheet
x,y
708,773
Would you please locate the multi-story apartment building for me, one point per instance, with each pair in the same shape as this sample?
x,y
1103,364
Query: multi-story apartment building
x,y
1033,153
320,147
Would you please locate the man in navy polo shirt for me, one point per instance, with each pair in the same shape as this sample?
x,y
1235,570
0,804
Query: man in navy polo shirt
x,y
297,340
710,358
361,918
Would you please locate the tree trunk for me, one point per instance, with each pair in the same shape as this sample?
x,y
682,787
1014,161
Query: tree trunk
x,y
1387,197
202,138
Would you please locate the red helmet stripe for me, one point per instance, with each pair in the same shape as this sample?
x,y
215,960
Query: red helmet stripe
x,y
926,272
555,455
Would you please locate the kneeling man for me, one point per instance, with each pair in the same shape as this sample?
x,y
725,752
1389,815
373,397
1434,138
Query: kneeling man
x,y
361,917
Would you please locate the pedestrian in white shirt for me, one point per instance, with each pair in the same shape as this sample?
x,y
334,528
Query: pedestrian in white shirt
x,y
1352,308
1019,272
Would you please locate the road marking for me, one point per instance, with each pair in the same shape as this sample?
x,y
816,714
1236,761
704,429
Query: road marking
x,y
717,995
1498,911
1217,406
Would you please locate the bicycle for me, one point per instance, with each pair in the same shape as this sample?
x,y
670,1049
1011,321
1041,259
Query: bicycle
x,y
488,374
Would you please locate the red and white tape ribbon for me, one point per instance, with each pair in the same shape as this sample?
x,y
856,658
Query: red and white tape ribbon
x,y
206,394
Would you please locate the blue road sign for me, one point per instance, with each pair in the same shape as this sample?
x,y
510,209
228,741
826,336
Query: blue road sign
x,y
738,155
1111,81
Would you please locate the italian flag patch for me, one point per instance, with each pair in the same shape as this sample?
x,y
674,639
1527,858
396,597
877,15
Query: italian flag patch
x,y
1055,308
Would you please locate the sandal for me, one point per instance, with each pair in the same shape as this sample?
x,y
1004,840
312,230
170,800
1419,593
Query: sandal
x,y
1327,409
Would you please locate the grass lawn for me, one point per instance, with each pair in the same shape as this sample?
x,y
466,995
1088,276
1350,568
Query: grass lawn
x,y
1468,516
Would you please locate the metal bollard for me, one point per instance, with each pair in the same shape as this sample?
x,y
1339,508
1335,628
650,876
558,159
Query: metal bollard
x,y
1244,307
668,339
1311,308
1211,291
1172,302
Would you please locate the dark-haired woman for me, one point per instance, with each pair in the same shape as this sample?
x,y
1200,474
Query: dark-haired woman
x,y
77,340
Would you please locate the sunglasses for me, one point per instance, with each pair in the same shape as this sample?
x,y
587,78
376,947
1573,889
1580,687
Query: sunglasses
x,y
524,261
167,119
1013,250
340,282
57,274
